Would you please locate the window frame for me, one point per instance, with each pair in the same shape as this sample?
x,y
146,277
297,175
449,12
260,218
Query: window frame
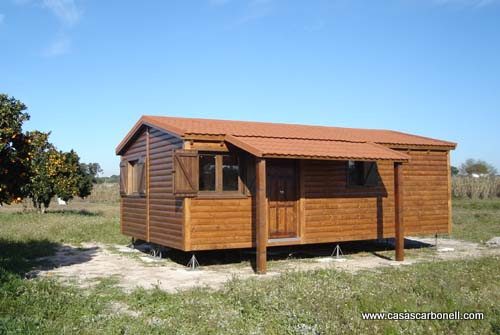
x,y
238,180
200,172
364,185
133,171
219,191
132,177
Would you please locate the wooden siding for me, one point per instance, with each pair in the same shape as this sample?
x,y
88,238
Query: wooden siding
x,y
165,211
334,212
426,194
159,205
330,211
221,223
133,220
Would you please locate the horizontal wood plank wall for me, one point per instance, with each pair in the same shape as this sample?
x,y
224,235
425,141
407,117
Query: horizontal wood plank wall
x,y
426,193
133,221
165,211
221,224
334,212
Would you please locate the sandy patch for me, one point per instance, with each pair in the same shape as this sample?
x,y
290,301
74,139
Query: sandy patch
x,y
86,265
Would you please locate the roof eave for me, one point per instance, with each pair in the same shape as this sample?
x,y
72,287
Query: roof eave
x,y
447,147
336,158
242,145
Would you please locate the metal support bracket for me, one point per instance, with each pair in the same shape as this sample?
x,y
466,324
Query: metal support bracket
x,y
193,263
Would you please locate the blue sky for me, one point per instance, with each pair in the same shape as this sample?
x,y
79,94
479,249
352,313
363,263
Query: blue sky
x,y
89,69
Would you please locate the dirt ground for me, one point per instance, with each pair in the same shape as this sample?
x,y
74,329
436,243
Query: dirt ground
x,y
85,265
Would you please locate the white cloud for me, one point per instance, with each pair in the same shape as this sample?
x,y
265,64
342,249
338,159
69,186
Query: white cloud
x,y
60,46
68,14
65,10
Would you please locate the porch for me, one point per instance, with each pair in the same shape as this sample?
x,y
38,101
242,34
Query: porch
x,y
280,191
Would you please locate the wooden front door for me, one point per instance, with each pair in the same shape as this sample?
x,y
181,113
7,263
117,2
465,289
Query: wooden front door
x,y
282,198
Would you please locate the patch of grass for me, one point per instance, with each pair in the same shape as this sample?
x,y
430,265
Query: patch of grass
x,y
20,257
476,220
46,307
74,224
324,301
485,204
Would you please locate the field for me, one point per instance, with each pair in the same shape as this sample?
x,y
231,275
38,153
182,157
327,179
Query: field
x,y
313,302
476,221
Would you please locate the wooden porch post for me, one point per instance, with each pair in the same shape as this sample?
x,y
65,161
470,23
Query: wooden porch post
x,y
261,215
398,209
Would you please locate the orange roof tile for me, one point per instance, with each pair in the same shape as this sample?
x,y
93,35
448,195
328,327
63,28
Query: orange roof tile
x,y
317,149
261,132
282,130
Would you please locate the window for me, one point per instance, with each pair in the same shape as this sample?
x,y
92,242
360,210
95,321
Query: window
x,y
207,172
230,173
218,173
133,181
362,173
134,178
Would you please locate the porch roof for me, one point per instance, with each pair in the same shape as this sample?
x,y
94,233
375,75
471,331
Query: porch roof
x,y
314,149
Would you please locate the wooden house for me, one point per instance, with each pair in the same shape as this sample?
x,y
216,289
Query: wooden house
x,y
200,184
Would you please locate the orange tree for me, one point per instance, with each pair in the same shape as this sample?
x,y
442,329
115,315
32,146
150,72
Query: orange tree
x,y
53,173
31,166
14,148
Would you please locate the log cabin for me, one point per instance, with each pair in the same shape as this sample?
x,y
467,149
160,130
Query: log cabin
x,y
201,184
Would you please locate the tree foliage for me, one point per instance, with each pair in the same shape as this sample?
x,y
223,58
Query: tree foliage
x,y
42,156
14,147
31,166
454,170
477,166
56,173
88,176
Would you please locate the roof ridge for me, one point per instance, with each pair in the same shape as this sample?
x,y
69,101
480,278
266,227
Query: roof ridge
x,y
263,122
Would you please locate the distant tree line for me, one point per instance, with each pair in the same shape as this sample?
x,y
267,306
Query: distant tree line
x,y
474,167
93,170
32,167
475,179
111,179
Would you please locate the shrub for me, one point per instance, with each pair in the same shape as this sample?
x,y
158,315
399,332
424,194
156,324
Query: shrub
x,y
476,188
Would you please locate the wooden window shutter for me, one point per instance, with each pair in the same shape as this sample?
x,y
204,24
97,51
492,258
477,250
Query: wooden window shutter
x,y
186,172
123,177
141,175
